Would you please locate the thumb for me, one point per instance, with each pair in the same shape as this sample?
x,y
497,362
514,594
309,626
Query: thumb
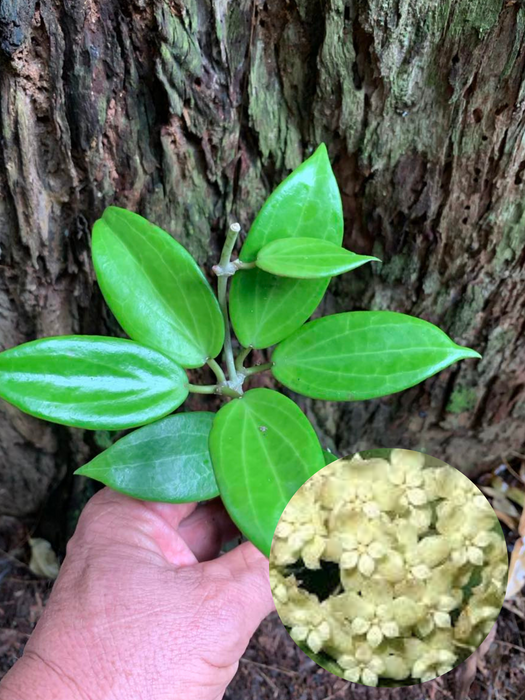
x,y
250,569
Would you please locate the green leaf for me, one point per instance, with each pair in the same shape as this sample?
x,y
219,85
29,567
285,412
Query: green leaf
x,y
363,355
155,288
263,449
91,382
265,309
308,258
329,457
167,461
322,659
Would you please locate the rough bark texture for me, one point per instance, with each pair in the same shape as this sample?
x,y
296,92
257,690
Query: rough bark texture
x,y
191,112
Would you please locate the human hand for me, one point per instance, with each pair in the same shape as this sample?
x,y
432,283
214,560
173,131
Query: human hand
x,y
141,609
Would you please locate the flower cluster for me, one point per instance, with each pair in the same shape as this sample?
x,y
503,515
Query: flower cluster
x,y
422,564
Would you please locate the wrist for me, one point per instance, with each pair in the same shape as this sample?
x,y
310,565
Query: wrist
x,y
33,677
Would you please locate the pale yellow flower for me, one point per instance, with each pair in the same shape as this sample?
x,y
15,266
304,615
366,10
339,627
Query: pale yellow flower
x,y
362,667
434,663
355,497
432,657
340,640
376,622
361,550
395,665
314,634
417,572
301,531
476,620
411,541
435,612
306,617
469,546
429,551
406,474
494,577
282,587
370,614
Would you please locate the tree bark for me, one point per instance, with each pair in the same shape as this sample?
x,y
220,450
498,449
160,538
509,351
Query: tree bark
x,y
192,112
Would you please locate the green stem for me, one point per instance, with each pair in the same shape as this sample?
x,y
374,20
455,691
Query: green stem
x,y
258,368
219,389
222,289
239,360
203,389
239,265
217,370
226,391
229,245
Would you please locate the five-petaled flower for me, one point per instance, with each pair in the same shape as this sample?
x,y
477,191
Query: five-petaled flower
x,y
406,474
361,550
362,666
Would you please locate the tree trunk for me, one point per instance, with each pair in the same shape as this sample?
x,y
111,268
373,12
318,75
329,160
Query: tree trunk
x,y
191,112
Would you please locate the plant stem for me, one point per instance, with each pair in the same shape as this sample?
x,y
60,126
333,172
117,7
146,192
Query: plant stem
x,y
226,391
239,265
203,389
222,288
219,389
217,370
239,360
248,371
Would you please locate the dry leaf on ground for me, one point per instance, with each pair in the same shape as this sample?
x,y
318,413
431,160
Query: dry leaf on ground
x,y
517,562
43,560
467,670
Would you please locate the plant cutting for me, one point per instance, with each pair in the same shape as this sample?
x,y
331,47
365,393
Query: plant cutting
x,y
259,448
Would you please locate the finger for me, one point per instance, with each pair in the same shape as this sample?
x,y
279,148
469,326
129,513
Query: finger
x,y
107,499
207,529
114,518
250,568
172,513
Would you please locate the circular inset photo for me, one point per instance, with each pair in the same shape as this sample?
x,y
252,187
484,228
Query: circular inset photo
x,y
388,568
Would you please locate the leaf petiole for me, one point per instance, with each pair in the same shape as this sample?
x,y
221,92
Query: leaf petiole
x,y
217,370
239,360
203,389
219,389
248,371
239,265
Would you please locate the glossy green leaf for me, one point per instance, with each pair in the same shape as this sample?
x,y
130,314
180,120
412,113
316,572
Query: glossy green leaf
x,y
264,308
155,288
308,258
167,461
363,355
91,382
322,659
263,449
329,457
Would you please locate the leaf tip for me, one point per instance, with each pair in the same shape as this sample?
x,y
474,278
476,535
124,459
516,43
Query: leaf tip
x,y
321,151
468,353
85,470
112,209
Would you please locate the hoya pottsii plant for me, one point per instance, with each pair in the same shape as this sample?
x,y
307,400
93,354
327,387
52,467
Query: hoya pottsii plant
x,y
259,447
420,563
